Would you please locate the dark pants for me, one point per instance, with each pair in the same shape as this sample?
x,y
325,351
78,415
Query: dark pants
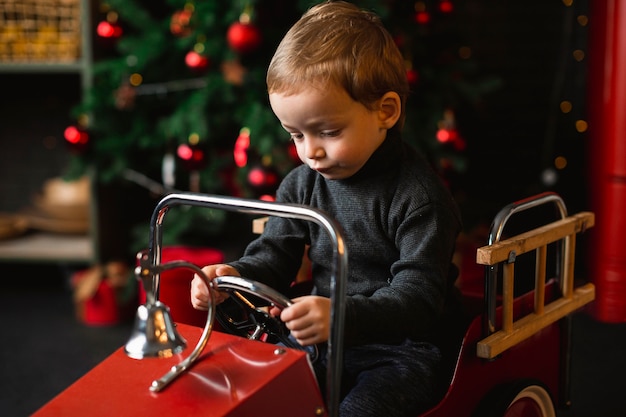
x,y
386,380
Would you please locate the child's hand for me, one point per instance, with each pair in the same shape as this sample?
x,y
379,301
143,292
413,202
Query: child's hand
x,y
308,319
199,290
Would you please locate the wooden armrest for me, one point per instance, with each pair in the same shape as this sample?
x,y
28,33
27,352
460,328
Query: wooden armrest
x,y
526,242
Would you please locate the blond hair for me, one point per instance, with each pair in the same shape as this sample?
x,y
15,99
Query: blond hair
x,y
335,42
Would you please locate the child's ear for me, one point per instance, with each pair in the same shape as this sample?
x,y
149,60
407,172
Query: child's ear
x,y
389,110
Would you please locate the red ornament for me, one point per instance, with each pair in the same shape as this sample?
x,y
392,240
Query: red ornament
x,y
180,24
422,17
193,157
412,76
240,152
446,135
109,30
76,138
196,61
446,6
243,37
263,180
451,137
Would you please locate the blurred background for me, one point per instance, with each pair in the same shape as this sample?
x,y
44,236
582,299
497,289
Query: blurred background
x,y
170,95
107,106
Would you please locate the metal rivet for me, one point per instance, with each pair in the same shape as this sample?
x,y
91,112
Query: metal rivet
x,y
279,351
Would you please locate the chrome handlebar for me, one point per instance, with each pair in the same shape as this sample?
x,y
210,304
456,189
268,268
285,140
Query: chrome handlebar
x,y
293,211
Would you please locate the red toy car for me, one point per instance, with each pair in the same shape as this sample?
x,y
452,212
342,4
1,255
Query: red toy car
x,y
513,359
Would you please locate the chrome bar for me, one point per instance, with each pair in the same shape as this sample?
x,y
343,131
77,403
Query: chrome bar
x,y
293,211
240,284
177,370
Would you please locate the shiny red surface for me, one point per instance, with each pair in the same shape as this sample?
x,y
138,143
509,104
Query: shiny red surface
x,y
238,377
233,377
536,358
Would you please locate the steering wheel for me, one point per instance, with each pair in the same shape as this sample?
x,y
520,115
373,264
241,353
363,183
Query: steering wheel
x,y
249,317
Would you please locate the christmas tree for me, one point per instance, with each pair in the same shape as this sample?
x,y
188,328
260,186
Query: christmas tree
x,y
179,98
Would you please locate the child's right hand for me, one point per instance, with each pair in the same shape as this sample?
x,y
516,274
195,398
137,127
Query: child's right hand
x,y
200,291
308,319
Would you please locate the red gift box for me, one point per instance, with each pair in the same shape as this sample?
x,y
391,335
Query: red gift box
x,y
175,283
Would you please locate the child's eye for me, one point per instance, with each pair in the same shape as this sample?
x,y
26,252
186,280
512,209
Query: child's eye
x,y
295,136
331,133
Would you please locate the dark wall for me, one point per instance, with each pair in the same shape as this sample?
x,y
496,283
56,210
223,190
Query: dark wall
x,y
512,135
34,111
516,132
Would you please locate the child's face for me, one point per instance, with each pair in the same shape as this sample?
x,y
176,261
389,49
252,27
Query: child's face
x,y
334,135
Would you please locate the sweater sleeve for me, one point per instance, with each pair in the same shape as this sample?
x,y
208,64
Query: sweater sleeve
x,y
274,258
413,301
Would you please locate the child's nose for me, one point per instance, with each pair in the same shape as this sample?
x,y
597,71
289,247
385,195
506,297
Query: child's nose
x,y
313,150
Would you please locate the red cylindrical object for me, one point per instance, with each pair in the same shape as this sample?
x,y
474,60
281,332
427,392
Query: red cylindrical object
x,y
607,153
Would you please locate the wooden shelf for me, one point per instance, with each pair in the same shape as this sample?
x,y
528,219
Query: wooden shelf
x,y
48,247
37,246
43,67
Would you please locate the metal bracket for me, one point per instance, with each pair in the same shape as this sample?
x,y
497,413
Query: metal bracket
x,y
512,256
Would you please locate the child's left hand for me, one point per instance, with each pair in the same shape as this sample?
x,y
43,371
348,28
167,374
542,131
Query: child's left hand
x,y
308,319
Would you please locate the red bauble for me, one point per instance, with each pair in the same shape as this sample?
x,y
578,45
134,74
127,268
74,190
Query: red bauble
x,y
412,76
76,138
196,61
240,151
446,6
263,180
109,30
193,157
180,24
422,17
451,137
243,37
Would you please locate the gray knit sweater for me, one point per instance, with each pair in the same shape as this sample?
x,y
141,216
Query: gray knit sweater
x,y
400,225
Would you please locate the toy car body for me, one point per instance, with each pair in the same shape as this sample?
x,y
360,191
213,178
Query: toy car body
x,y
513,359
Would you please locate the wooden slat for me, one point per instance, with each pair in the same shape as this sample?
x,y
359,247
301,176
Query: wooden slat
x,y
493,345
567,283
525,242
258,225
506,251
